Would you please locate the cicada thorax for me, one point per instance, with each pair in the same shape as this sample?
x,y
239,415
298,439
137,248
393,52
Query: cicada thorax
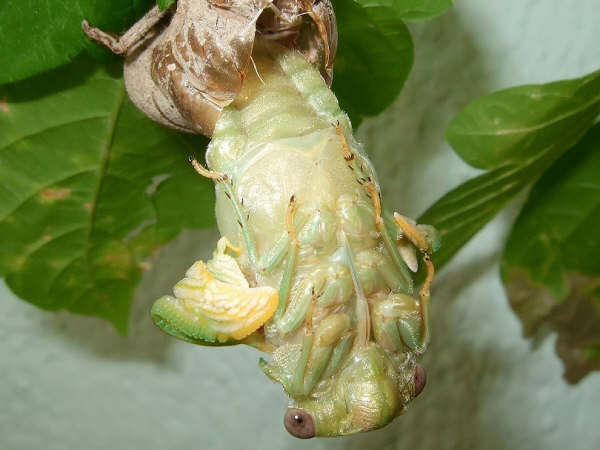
x,y
278,141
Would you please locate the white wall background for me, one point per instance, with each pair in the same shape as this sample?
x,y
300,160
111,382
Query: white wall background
x,y
68,382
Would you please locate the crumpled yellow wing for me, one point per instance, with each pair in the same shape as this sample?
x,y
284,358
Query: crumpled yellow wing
x,y
213,304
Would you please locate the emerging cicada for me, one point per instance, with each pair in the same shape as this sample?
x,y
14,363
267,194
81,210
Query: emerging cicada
x,y
310,267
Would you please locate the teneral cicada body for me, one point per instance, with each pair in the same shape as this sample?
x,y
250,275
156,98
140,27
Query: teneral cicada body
x,y
299,207
311,268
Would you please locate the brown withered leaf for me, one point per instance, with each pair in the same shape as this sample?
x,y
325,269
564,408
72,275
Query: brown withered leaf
x,y
550,265
575,319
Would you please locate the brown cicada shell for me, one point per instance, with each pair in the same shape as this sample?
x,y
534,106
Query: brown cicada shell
x,y
198,53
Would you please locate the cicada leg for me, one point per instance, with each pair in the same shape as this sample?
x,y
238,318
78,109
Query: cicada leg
x,y
120,45
400,320
225,181
424,237
305,233
318,356
322,351
328,285
274,256
398,323
294,312
365,178
290,267
325,340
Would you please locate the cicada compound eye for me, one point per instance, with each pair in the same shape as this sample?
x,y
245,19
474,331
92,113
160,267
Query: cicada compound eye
x,y
299,423
420,379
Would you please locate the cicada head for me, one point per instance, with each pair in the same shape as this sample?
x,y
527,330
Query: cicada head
x,y
368,393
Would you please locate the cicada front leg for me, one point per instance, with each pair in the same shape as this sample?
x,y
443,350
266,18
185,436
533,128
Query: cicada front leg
x,y
364,174
400,321
224,181
299,367
310,237
328,285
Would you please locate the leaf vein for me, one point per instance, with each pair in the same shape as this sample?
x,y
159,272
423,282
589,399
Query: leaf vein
x,y
101,175
53,127
537,127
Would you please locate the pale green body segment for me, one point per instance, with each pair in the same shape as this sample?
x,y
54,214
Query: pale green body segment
x,y
298,201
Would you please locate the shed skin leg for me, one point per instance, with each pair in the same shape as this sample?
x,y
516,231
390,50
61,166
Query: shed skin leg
x,y
121,44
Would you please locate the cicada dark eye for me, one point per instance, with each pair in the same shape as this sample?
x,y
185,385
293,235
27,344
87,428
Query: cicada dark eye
x,y
420,379
299,423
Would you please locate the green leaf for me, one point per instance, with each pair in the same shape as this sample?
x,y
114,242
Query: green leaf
x,y
374,57
466,209
517,148
413,9
38,35
463,211
516,124
551,268
89,188
164,4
